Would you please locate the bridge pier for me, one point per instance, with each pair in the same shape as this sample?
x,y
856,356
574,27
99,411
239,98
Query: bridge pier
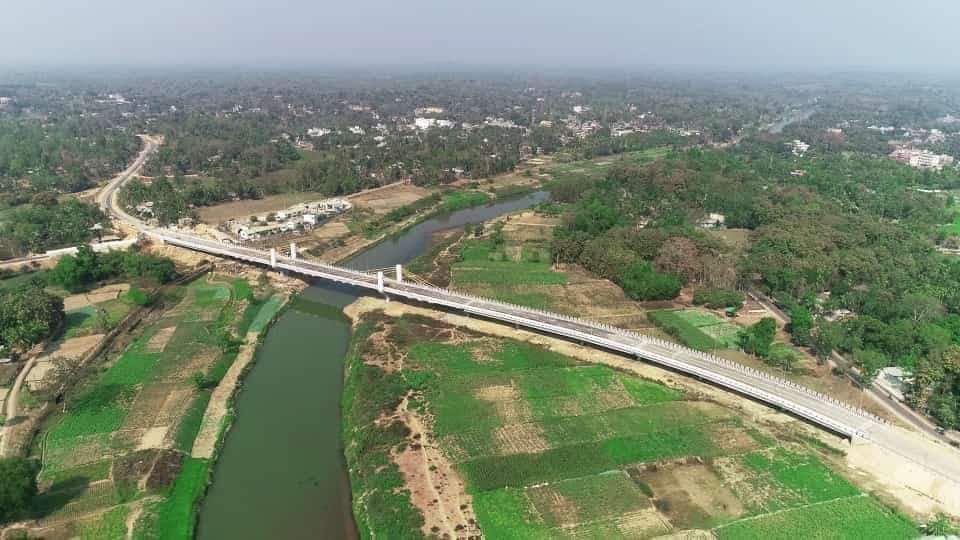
x,y
380,282
399,274
293,250
273,257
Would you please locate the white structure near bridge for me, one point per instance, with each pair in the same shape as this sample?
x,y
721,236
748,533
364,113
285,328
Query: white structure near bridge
x,y
302,215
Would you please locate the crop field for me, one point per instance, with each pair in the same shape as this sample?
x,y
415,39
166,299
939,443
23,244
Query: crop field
x,y
697,328
459,200
97,317
549,447
489,270
596,169
853,517
124,426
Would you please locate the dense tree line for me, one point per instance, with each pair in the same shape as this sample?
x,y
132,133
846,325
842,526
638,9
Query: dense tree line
x,y
48,224
853,234
63,156
80,271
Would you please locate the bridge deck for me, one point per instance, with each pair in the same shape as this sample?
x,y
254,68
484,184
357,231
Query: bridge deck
x,y
805,403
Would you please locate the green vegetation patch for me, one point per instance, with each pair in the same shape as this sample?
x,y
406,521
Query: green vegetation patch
x,y
458,200
265,313
177,514
802,477
484,263
99,317
587,499
110,526
679,327
507,513
698,329
854,517
102,408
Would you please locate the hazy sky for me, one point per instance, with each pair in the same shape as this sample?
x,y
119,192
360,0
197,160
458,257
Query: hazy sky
x,y
700,33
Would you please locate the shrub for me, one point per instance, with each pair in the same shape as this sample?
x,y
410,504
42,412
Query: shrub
x,y
138,296
758,339
18,487
642,282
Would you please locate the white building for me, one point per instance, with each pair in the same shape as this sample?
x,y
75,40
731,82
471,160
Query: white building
x,y
713,221
922,159
427,123
798,147
317,132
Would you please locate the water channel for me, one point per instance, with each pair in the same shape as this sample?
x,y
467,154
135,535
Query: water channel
x,y
281,473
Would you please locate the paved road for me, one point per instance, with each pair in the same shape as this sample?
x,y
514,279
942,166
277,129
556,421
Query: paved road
x,y
107,197
904,413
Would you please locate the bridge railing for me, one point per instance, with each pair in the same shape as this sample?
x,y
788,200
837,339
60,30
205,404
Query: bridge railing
x,y
359,277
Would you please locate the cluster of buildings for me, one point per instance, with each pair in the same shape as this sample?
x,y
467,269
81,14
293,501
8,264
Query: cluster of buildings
x,y
423,123
299,216
798,147
922,159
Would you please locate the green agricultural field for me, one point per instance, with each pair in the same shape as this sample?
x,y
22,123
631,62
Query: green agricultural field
x,y
459,200
142,402
853,517
550,447
486,269
698,328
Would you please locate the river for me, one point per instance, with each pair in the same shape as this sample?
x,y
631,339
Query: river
x,y
281,473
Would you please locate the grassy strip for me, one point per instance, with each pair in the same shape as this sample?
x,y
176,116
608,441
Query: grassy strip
x,y
265,314
177,514
189,425
679,327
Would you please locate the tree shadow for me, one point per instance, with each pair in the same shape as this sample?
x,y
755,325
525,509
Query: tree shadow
x,y
59,495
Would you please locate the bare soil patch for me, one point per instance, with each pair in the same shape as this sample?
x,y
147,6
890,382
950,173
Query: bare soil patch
x,y
530,227
642,523
689,493
108,292
330,229
153,438
160,339
379,351
236,209
436,488
732,438
387,198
